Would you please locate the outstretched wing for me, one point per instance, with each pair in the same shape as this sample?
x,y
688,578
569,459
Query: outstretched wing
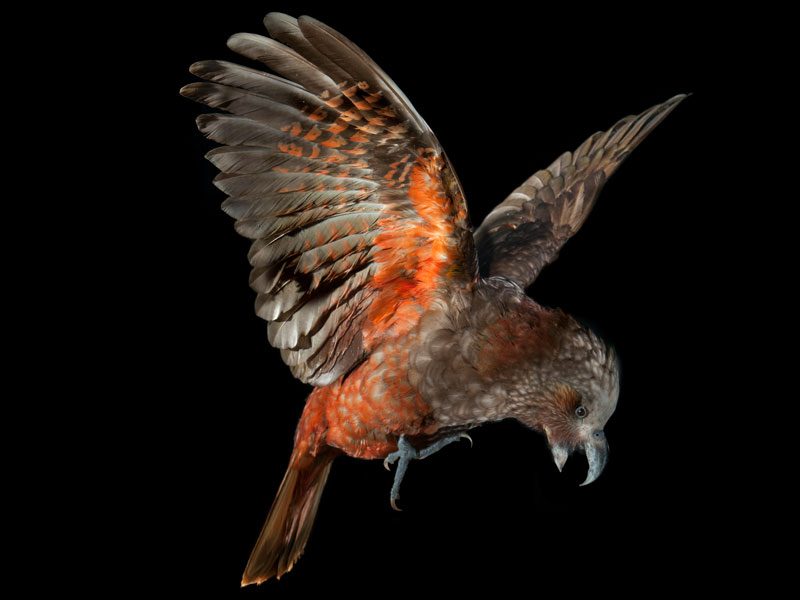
x,y
357,219
525,231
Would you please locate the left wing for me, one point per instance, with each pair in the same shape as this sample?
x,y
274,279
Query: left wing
x,y
358,222
525,231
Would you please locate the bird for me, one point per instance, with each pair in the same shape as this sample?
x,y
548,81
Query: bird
x,y
412,326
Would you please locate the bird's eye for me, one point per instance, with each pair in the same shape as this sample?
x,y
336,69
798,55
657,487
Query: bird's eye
x,y
581,412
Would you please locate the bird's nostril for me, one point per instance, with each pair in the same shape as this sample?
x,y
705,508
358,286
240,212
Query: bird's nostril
x,y
599,435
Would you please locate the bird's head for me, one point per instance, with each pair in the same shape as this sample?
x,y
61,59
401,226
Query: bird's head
x,y
574,395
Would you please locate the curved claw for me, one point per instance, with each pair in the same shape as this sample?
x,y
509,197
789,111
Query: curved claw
x,y
404,451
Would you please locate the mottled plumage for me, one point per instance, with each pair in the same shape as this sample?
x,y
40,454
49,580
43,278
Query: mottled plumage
x,y
365,266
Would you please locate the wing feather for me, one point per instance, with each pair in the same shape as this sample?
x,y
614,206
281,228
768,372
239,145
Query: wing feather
x,y
525,231
357,220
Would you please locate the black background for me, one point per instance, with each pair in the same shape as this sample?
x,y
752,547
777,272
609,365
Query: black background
x,y
209,409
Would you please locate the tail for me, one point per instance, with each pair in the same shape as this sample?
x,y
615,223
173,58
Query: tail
x,y
290,519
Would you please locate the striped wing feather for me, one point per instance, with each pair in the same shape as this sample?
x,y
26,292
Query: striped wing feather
x,y
357,220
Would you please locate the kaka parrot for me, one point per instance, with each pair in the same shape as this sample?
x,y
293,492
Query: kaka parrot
x,y
412,327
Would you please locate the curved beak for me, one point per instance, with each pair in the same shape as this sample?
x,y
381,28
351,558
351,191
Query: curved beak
x,y
596,451
597,454
560,456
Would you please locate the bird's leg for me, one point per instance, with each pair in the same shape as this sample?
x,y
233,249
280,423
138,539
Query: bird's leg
x,y
406,452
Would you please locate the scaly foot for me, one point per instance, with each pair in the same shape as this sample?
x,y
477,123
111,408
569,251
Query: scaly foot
x,y
406,452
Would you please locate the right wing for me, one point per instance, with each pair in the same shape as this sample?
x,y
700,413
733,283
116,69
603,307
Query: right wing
x,y
358,222
525,231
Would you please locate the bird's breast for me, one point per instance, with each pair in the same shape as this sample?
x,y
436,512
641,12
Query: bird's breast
x,y
366,411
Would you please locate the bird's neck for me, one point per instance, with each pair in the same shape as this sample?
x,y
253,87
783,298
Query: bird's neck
x,y
493,362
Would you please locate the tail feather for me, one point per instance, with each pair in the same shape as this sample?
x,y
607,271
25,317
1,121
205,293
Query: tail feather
x,y
290,519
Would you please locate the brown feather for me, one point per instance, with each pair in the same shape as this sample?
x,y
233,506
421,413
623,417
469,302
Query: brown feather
x,y
288,525
525,232
318,163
